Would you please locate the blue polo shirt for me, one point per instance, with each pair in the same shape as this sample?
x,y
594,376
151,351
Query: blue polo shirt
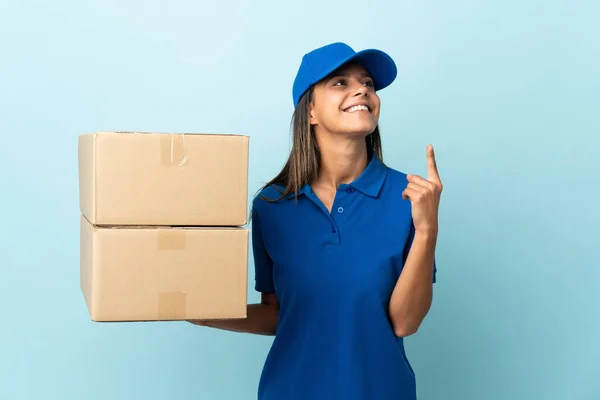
x,y
333,273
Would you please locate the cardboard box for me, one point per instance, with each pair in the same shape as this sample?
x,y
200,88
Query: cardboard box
x,y
163,273
133,178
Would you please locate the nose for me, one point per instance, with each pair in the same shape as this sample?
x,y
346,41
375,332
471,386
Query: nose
x,y
361,90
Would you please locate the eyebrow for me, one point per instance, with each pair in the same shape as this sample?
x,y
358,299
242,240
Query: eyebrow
x,y
346,74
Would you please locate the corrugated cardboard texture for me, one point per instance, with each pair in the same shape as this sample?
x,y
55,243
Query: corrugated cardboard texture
x,y
161,274
163,179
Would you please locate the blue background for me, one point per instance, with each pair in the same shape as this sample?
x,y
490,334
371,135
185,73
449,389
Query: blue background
x,y
507,91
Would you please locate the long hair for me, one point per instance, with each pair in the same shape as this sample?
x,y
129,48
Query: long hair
x,y
303,164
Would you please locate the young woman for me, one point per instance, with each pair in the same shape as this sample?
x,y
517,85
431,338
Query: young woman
x,y
343,245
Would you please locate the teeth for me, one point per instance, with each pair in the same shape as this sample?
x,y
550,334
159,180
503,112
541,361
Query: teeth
x,y
357,108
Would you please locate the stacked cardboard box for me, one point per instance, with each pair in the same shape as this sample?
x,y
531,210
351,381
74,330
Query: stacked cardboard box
x,y
162,217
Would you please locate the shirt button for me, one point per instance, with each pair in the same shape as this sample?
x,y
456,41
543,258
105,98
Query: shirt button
x,y
349,190
340,209
333,230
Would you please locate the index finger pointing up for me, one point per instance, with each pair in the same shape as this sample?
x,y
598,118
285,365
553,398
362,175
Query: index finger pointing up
x,y
432,172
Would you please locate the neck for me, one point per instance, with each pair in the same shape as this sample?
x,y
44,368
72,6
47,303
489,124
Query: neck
x,y
342,160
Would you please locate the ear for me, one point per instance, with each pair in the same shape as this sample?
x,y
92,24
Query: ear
x,y
311,113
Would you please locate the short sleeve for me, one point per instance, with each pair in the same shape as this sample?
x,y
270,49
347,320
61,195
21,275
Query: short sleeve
x,y
408,245
263,265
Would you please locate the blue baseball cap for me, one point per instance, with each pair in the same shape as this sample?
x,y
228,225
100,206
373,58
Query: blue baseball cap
x,y
321,62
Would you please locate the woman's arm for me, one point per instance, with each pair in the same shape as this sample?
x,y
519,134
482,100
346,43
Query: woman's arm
x,y
412,295
261,318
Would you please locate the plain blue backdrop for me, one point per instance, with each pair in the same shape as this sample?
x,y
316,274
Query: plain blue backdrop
x,y
507,91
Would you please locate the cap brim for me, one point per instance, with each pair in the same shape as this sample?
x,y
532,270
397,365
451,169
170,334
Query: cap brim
x,y
380,65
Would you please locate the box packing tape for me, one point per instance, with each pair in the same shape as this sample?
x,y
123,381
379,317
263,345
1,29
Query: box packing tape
x,y
172,147
173,150
170,239
171,305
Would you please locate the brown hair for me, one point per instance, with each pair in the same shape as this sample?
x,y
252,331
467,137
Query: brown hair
x,y
303,164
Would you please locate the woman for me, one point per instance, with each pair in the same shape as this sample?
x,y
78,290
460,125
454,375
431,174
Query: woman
x,y
343,245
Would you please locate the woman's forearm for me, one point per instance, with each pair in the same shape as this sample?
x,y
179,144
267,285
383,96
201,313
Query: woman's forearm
x,y
261,320
412,295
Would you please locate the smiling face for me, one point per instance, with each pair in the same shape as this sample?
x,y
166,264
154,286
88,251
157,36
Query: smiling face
x,y
345,103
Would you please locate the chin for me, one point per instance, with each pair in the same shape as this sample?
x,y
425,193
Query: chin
x,y
362,130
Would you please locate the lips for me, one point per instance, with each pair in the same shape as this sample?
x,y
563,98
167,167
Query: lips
x,y
357,107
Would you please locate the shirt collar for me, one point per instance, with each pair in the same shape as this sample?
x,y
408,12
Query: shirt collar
x,y
369,182
372,178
